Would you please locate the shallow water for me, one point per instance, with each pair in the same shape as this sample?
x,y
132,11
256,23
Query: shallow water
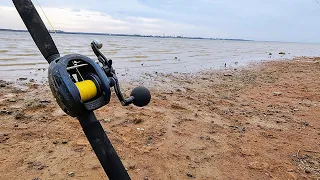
x,y
133,56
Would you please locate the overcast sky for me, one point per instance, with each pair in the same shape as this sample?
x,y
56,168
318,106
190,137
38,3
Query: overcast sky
x,y
272,20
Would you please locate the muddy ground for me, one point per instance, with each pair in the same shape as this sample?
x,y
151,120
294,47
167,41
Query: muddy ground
x,y
258,122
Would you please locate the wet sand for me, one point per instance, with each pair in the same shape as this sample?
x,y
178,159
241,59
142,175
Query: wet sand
x,y
258,122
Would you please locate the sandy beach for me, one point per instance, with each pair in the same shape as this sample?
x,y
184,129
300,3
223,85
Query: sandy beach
x,y
256,122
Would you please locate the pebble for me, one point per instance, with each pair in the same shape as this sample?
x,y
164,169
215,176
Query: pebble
x,y
106,120
290,170
5,112
22,79
146,178
140,129
137,121
277,93
45,101
307,170
41,167
169,92
12,100
3,85
189,175
19,115
305,123
71,174
82,142
132,167
181,90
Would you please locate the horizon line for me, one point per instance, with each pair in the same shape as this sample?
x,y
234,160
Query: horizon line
x,y
130,35
155,36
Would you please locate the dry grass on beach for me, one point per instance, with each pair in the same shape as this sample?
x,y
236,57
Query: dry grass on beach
x,y
260,122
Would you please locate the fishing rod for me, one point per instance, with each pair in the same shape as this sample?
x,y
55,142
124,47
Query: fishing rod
x,y
80,85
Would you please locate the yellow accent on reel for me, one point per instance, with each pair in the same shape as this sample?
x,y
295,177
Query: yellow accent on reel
x,y
87,90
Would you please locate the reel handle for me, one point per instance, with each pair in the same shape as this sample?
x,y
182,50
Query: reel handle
x,y
102,146
140,96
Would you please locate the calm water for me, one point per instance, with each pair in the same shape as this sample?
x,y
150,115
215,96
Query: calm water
x,y
132,56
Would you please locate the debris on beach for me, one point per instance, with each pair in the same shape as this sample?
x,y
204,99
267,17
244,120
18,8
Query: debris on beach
x,y
71,174
12,100
8,112
140,129
20,115
181,89
190,175
304,123
137,120
45,101
227,75
22,78
107,120
276,93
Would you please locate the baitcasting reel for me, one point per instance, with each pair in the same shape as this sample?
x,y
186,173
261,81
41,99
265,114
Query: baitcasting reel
x,y
79,83
80,86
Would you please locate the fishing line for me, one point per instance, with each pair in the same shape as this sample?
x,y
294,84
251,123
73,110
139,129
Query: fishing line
x,y
46,16
55,33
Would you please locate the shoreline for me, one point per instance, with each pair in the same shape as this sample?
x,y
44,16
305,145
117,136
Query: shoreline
x,y
256,122
148,78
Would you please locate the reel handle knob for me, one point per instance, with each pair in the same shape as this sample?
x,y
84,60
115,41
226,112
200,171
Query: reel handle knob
x,y
141,96
97,43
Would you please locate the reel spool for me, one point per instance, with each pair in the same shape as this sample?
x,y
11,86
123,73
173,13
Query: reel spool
x,y
87,90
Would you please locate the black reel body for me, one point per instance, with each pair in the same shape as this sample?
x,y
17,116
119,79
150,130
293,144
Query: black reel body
x,y
63,75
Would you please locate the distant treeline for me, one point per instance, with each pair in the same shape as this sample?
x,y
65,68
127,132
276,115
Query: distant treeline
x,y
131,35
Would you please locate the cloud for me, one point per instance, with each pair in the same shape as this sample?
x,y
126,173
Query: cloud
x,y
279,20
93,21
83,21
